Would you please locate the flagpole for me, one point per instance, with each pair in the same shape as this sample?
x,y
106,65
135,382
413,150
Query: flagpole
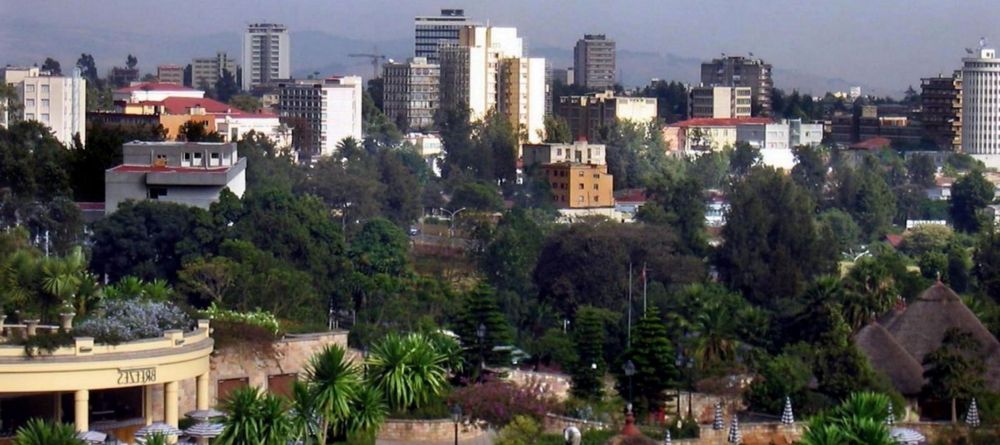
x,y
628,338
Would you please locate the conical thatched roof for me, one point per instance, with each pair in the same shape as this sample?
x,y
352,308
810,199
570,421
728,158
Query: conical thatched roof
x,y
888,356
921,328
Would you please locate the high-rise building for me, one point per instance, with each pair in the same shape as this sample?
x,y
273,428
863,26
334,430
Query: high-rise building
x,y
327,111
738,71
58,102
941,110
266,54
410,93
430,32
981,102
594,62
205,71
591,114
719,102
488,71
170,74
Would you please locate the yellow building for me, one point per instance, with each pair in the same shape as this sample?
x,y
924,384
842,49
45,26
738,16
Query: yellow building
x,y
580,186
110,388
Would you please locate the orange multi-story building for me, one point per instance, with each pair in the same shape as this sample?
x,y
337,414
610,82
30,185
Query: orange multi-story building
x,y
580,186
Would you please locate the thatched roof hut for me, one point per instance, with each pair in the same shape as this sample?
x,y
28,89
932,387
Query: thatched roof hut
x,y
920,328
889,357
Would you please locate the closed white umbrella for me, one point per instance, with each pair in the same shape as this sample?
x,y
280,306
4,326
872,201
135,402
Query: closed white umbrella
x,y
907,436
92,437
206,430
205,414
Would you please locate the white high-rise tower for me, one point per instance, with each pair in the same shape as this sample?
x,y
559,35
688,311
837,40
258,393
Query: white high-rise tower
x,y
266,54
981,101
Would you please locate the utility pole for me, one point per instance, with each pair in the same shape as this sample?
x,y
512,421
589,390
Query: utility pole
x,y
644,289
628,338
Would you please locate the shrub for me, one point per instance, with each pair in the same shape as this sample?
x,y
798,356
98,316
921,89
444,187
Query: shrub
x,y
47,342
523,430
258,317
498,402
128,320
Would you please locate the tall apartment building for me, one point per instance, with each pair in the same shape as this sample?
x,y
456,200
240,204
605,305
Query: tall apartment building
x,y
266,54
207,70
430,32
594,62
580,186
738,71
719,102
59,102
329,109
981,102
170,74
590,115
410,93
941,110
488,71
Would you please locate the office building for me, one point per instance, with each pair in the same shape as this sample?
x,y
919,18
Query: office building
x,y
579,152
170,74
941,111
120,77
488,71
205,71
59,102
786,134
981,102
329,110
706,134
594,62
192,173
580,186
738,71
266,54
719,102
430,32
591,115
410,93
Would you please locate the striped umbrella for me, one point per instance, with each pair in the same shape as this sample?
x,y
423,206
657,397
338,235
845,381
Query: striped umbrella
x,y
205,414
787,418
666,438
906,436
734,431
890,419
972,415
158,427
717,421
92,436
205,429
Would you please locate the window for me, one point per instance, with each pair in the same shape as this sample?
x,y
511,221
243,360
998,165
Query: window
x,y
227,386
157,192
29,103
45,117
596,187
580,174
186,160
29,88
45,89
29,116
197,159
45,104
580,186
214,160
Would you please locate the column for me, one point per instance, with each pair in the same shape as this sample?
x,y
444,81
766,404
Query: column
x,y
202,395
147,404
81,410
170,414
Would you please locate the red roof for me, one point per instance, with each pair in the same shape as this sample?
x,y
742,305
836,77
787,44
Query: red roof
x,y
722,122
183,105
876,143
631,195
125,168
154,86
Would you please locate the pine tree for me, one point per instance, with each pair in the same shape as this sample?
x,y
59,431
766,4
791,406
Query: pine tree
x,y
653,357
481,310
588,336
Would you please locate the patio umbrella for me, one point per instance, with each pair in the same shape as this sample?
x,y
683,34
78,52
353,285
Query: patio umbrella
x,y
96,437
666,439
717,421
158,427
787,418
890,419
734,431
972,415
907,436
206,430
205,414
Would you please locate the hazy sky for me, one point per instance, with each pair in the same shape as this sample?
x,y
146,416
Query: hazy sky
x,y
881,42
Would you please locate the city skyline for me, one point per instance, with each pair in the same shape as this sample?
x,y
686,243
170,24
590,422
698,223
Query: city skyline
x,y
836,41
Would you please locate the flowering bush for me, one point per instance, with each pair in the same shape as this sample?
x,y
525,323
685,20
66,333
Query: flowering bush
x,y
498,402
128,320
259,318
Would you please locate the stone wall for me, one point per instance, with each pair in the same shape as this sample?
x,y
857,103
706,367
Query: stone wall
x,y
554,423
439,430
287,356
556,385
701,406
754,434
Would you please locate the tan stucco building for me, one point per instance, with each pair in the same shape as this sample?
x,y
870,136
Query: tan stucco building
x,y
580,186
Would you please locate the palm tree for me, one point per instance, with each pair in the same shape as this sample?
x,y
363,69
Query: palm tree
x,y
334,382
368,410
242,423
859,420
40,432
715,344
407,369
305,420
156,439
274,424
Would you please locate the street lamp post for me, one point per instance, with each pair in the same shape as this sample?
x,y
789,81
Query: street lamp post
x,y
456,415
629,369
481,334
451,220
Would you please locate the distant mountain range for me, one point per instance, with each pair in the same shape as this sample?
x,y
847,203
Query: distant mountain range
x,y
327,54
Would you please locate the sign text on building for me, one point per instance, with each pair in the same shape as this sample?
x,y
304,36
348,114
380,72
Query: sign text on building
x,y
136,376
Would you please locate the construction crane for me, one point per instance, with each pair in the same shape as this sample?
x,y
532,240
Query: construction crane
x,y
375,57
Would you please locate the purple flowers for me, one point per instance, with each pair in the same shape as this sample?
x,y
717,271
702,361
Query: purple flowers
x,y
128,320
498,402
